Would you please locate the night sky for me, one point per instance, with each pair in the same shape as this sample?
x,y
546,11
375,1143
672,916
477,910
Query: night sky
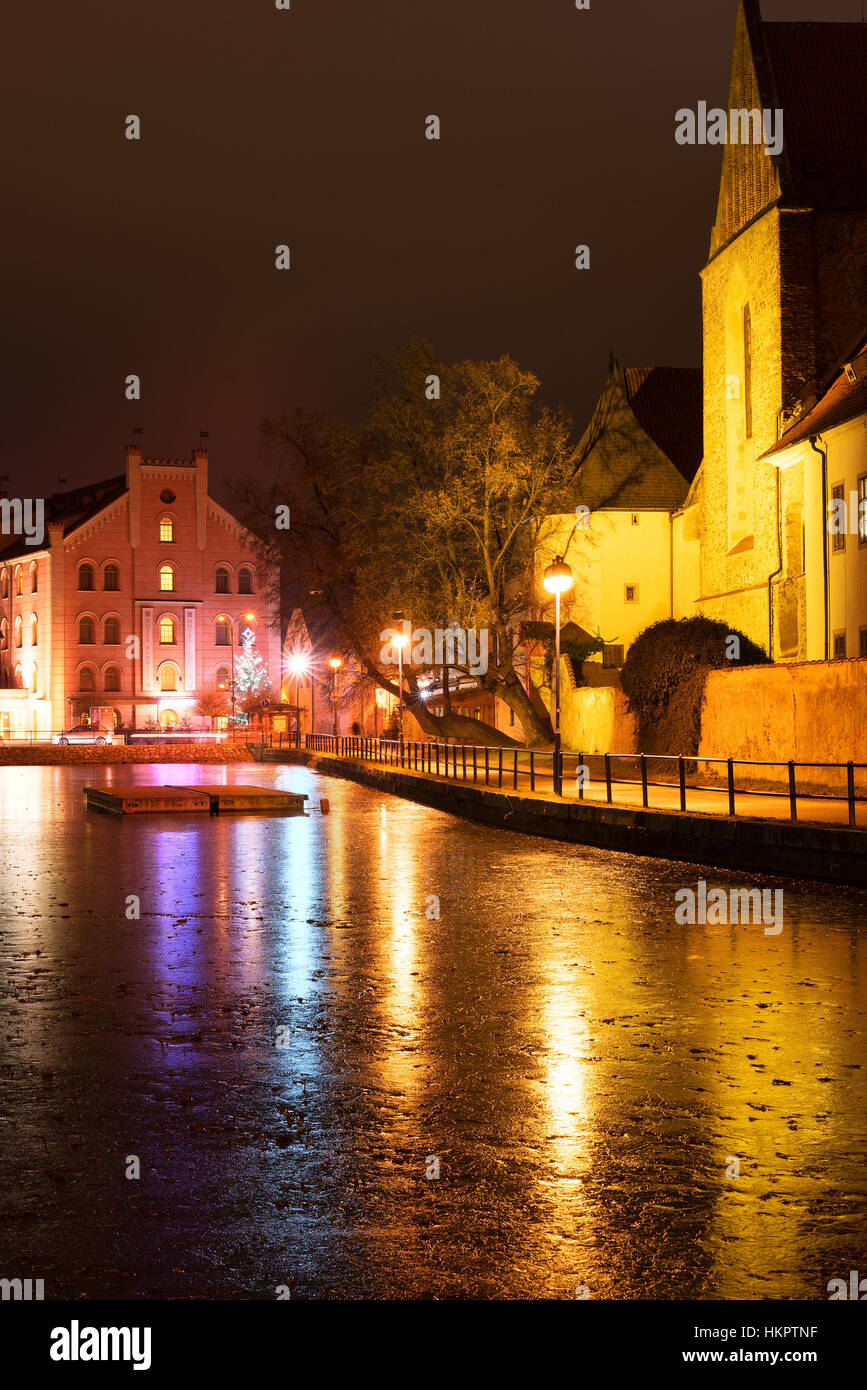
x,y
306,126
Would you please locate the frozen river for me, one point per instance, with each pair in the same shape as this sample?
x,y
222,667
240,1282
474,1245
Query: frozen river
x,y
289,1041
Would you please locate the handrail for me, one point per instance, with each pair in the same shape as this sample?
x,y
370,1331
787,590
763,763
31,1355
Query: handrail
x,y
494,763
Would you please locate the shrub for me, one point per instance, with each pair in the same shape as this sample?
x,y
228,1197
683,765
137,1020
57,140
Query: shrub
x,y
664,676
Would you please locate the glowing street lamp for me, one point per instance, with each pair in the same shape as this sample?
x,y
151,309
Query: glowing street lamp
x,y
557,579
298,664
335,663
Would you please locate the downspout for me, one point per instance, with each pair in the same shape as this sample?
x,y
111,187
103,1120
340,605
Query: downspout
x,y
774,575
823,454
671,564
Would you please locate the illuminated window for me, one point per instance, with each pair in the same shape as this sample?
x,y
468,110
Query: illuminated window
x,y
222,638
168,719
111,577
4,635
85,678
34,577
111,632
85,576
838,537
222,581
4,584
168,678
167,528
85,631
19,677
167,578
34,630
34,680
112,678
222,677
19,632
222,722
19,580
245,581
167,631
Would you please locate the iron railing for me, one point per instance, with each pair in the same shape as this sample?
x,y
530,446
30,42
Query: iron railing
x,y
513,767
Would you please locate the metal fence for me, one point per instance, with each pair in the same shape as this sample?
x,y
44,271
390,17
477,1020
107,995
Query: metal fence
x,y
536,769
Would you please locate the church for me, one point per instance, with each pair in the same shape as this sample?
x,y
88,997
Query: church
x,y
784,329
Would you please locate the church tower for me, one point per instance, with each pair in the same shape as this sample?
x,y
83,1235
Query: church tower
x,y
784,299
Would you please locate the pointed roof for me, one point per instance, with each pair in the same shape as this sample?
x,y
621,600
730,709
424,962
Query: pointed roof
x,y
643,444
73,509
816,74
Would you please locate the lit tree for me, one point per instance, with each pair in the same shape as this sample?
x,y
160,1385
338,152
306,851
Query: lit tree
x,y
252,682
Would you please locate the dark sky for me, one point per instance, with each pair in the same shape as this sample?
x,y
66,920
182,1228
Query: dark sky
x,y
306,126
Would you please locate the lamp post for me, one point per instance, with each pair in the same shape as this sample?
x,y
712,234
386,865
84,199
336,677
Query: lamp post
x,y
335,663
557,579
400,640
298,664
224,618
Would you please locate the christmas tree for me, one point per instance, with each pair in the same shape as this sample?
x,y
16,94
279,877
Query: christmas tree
x,y
252,682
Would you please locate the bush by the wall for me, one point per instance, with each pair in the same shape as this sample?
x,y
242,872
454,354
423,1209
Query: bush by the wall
x,y
664,676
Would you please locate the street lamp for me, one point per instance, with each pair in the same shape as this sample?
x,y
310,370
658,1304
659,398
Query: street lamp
x,y
400,640
298,663
335,663
557,579
224,618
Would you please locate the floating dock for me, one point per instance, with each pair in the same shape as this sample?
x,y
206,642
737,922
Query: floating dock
x,y
205,799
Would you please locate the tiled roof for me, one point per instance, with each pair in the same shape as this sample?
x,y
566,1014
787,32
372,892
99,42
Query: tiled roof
x,y
820,75
844,400
73,509
668,406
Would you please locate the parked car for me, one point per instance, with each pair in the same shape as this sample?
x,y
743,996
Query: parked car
x,y
85,733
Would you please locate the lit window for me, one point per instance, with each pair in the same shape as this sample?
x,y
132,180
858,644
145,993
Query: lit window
x,y
19,677
838,514
34,630
245,581
19,632
85,679
85,631
167,631
111,578
168,678
167,528
222,635
85,577
4,584
222,678
34,577
112,678
112,632
222,581
4,635
167,578
19,580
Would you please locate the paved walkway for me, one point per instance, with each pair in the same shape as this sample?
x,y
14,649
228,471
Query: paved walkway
x,y
706,800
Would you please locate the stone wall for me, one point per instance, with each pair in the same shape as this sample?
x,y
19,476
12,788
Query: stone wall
x,y
596,720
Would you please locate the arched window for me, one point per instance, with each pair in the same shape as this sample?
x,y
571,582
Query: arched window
x,y
167,578
19,631
34,577
222,638
18,677
168,677
245,581
85,631
222,581
86,679
168,719
34,630
4,584
85,576
222,677
4,635
112,678
19,580
167,528
111,632
34,678
167,631
111,578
